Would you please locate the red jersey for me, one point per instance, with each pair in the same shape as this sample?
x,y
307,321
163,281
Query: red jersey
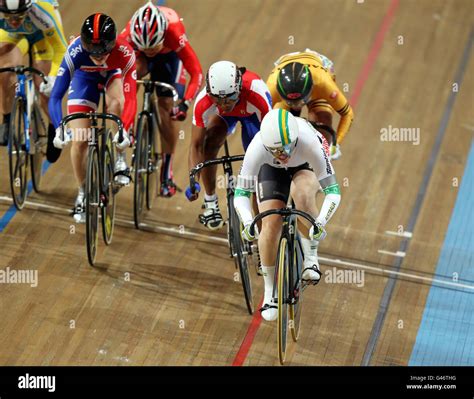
x,y
175,40
254,99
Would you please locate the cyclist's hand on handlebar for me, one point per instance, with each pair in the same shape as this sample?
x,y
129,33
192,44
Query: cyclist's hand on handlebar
x,y
179,113
247,234
318,235
335,152
193,196
124,143
47,88
58,141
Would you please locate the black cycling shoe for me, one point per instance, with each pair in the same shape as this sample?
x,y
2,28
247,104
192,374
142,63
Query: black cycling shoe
x,y
4,133
52,153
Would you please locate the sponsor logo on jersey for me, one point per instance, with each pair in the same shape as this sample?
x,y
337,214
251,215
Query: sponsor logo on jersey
x,y
333,95
76,50
61,71
126,52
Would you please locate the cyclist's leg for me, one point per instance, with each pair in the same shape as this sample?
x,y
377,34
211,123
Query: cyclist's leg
x,y
10,55
303,191
168,68
141,66
216,134
42,53
115,101
83,97
274,188
250,127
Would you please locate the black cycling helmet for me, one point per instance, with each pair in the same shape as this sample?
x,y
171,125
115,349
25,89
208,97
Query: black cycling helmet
x,y
98,34
14,6
294,82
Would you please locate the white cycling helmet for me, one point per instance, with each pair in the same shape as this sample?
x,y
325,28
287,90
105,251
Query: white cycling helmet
x,y
279,132
14,6
224,80
148,26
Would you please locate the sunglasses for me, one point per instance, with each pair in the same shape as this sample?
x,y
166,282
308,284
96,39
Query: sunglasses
x,y
282,152
14,17
224,100
299,103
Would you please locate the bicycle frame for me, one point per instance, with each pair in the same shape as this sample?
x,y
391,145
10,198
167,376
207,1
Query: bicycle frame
x,y
26,90
290,232
238,248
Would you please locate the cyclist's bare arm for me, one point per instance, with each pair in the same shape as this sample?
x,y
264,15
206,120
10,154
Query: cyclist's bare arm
x,y
246,181
196,149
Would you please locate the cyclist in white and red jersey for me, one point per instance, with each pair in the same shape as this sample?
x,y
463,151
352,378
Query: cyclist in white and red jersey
x,y
158,36
231,95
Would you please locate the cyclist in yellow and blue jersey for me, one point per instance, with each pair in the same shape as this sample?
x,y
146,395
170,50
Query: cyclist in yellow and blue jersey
x,y
307,78
25,24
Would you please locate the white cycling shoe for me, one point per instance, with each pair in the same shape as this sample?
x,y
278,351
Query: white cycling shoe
x,y
269,311
121,171
311,273
79,213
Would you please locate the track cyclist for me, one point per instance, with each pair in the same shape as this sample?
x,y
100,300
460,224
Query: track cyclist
x,y
308,78
288,156
158,37
232,95
37,25
95,58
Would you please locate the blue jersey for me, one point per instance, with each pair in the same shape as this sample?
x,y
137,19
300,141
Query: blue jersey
x,y
76,61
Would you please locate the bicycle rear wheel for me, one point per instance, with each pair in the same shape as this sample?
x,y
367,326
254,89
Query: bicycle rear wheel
x,y
18,155
141,172
240,255
38,140
92,203
107,195
283,295
296,307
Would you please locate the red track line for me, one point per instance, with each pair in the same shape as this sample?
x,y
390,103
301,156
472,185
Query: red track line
x,y
362,78
374,52
247,342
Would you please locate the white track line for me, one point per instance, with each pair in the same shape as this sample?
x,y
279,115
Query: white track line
x,y
392,272
145,226
399,254
405,234
182,232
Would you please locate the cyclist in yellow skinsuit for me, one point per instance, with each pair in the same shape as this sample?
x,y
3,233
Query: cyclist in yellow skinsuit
x,y
35,24
308,78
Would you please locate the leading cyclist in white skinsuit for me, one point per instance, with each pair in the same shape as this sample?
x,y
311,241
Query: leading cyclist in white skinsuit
x,y
286,155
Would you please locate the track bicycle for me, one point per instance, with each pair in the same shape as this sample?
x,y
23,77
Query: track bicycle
x,y
145,158
240,250
288,286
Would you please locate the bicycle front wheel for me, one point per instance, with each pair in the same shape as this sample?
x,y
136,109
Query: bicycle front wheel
x,y
283,295
141,170
38,140
18,155
92,203
240,255
295,282
107,194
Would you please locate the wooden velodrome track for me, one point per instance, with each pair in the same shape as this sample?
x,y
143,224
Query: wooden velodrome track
x,y
171,299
